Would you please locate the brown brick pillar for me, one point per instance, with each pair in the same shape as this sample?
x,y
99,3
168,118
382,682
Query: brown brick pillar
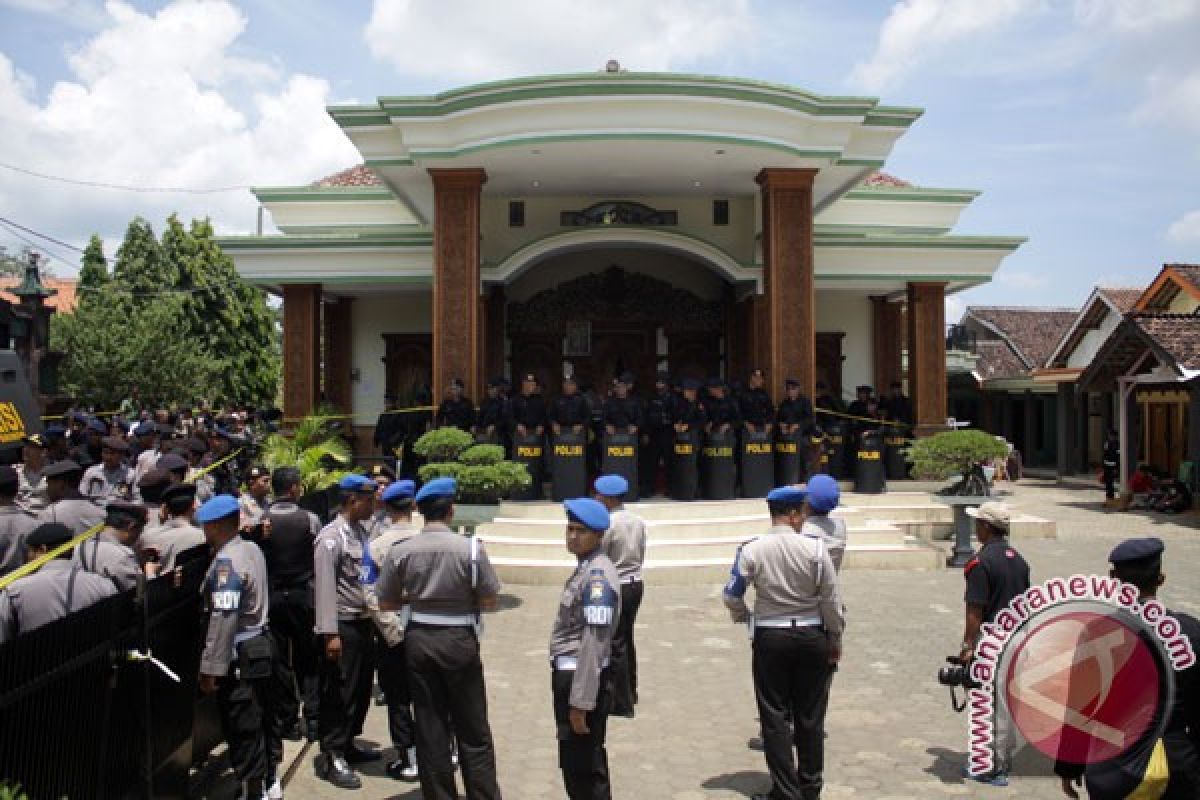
x,y
339,353
457,333
887,329
927,355
301,349
788,285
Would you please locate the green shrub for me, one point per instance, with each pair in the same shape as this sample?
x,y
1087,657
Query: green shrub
x,y
482,455
944,455
492,481
314,447
439,469
15,792
443,444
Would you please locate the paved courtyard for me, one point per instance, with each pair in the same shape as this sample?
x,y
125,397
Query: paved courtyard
x,y
892,733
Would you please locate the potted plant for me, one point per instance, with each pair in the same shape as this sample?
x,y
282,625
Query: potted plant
x,y
956,453
316,448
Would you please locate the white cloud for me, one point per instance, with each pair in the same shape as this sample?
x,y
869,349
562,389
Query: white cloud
x,y
160,100
917,30
77,13
473,40
1186,228
1019,279
955,308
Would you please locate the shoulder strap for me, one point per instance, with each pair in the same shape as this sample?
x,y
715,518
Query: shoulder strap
x,y
820,557
474,542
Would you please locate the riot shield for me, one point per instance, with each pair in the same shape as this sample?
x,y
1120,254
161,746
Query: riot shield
x,y
527,450
685,473
894,444
568,466
620,457
720,471
836,445
869,477
791,459
758,463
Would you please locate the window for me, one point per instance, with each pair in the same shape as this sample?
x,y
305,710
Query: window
x,y
516,213
720,212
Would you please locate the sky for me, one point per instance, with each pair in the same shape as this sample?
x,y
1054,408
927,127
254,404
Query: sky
x,y
1078,119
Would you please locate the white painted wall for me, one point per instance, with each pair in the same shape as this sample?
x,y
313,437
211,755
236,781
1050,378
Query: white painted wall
x,y
372,316
849,313
1092,341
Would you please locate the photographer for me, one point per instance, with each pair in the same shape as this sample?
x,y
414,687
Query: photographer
x,y
994,577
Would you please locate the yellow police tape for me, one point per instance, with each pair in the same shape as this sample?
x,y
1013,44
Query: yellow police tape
x,y
200,473
40,561
872,420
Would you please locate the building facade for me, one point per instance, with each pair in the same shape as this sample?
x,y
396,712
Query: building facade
x,y
615,221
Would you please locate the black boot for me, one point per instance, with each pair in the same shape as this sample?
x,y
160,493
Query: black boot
x,y
334,769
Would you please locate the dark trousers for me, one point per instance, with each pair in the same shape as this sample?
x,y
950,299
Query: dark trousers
x,y
346,687
247,721
656,453
1110,482
582,759
393,679
448,693
296,656
623,658
791,679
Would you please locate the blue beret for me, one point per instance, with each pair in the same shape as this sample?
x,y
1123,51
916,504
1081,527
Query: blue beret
x,y
145,428
97,425
690,383
357,483
590,512
823,493
1137,550
220,507
438,487
611,485
399,491
787,495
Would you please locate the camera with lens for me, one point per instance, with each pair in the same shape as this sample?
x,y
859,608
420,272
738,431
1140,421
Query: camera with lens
x,y
956,674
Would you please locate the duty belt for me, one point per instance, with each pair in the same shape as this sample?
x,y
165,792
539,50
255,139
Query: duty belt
x,y
807,621
447,620
248,634
570,663
635,578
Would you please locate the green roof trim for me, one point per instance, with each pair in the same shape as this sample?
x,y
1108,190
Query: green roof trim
x,y
322,194
1009,243
389,162
836,229
361,231
316,242
874,163
525,141
334,280
912,194
358,116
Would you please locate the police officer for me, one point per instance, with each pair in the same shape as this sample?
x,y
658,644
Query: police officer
x,y
342,566
1111,463
529,408
823,497
67,505
722,411
15,523
688,413
59,588
569,410
112,478
456,410
397,503
897,405
111,552
175,534
416,424
625,545
994,577
495,415
256,499
236,664
446,580
89,443
389,429
31,494
1139,562
795,413
288,552
757,410
580,645
797,627
827,400
657,438
622,412
222,471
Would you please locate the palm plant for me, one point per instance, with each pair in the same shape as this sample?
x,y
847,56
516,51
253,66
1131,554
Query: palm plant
x,y
314,447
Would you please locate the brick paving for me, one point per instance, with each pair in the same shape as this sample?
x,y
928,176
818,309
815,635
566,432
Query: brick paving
x,y
892,733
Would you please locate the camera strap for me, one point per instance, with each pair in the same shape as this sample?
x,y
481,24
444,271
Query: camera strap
x,y
954,702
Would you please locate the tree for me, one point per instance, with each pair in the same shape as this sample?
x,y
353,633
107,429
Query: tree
x,y
142,267
961,453
93,270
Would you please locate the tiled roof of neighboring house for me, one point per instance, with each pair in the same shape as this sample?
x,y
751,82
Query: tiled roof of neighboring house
x,y
1034,332
997,360
1189,271
362,175
1124,298
1177,334
884,179
64,301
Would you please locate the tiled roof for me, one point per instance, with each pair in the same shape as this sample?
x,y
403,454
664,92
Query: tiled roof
x,y
1177,334
997,360
1123,297
362,175
1034,332
1189,271
64,301
884,179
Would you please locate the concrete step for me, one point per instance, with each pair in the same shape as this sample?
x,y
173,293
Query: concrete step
x,y
740,528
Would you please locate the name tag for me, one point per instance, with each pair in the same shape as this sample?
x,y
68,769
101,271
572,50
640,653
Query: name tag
x,y
597,615
226,600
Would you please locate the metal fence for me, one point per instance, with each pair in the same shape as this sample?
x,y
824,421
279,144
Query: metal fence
x,y
80,717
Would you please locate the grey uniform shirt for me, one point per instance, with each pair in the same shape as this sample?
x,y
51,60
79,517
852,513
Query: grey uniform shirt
x,y
340,573
31,491
625,543
56,590
103,484
388,622
75,511
431,572
253,511
170,539
15,525
104,555
587,617
146,461
792,576
205,485
833,531
235,589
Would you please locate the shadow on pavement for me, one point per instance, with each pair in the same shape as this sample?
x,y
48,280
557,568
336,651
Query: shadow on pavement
x,y
1156,517
947,764
746,782
507,602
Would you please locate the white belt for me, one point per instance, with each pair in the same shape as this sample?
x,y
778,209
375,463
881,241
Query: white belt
x,y
247,635
789,622
427,618
632,578
569,663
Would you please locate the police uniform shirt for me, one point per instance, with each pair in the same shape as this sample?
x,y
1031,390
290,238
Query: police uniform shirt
x,y
15,525
341,568
253,511
756,407
59,588
583,629
236,595
75,511
104,555
31,490
432,573
658,410
625,544
171,538
107,484
146,461
832,530
995,576
792,576
289,549
458,413
205,485
569,410
687,412
529,410
795,412
388,622
721,411
496,412
622,412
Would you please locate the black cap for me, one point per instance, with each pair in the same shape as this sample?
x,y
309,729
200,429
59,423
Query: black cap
x,y
9,479
1134,552
49,534
382,470
172,462
153,483
715,383
135,510
179,490
626,378
197,445
790,382
863,388
662,377
256,472
691,383
60,469
497,382
115,443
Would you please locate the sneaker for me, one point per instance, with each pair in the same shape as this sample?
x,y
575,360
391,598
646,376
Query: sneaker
x,y
999,778
454,754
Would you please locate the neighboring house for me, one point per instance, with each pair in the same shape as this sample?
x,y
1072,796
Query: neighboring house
x,y
1002,395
